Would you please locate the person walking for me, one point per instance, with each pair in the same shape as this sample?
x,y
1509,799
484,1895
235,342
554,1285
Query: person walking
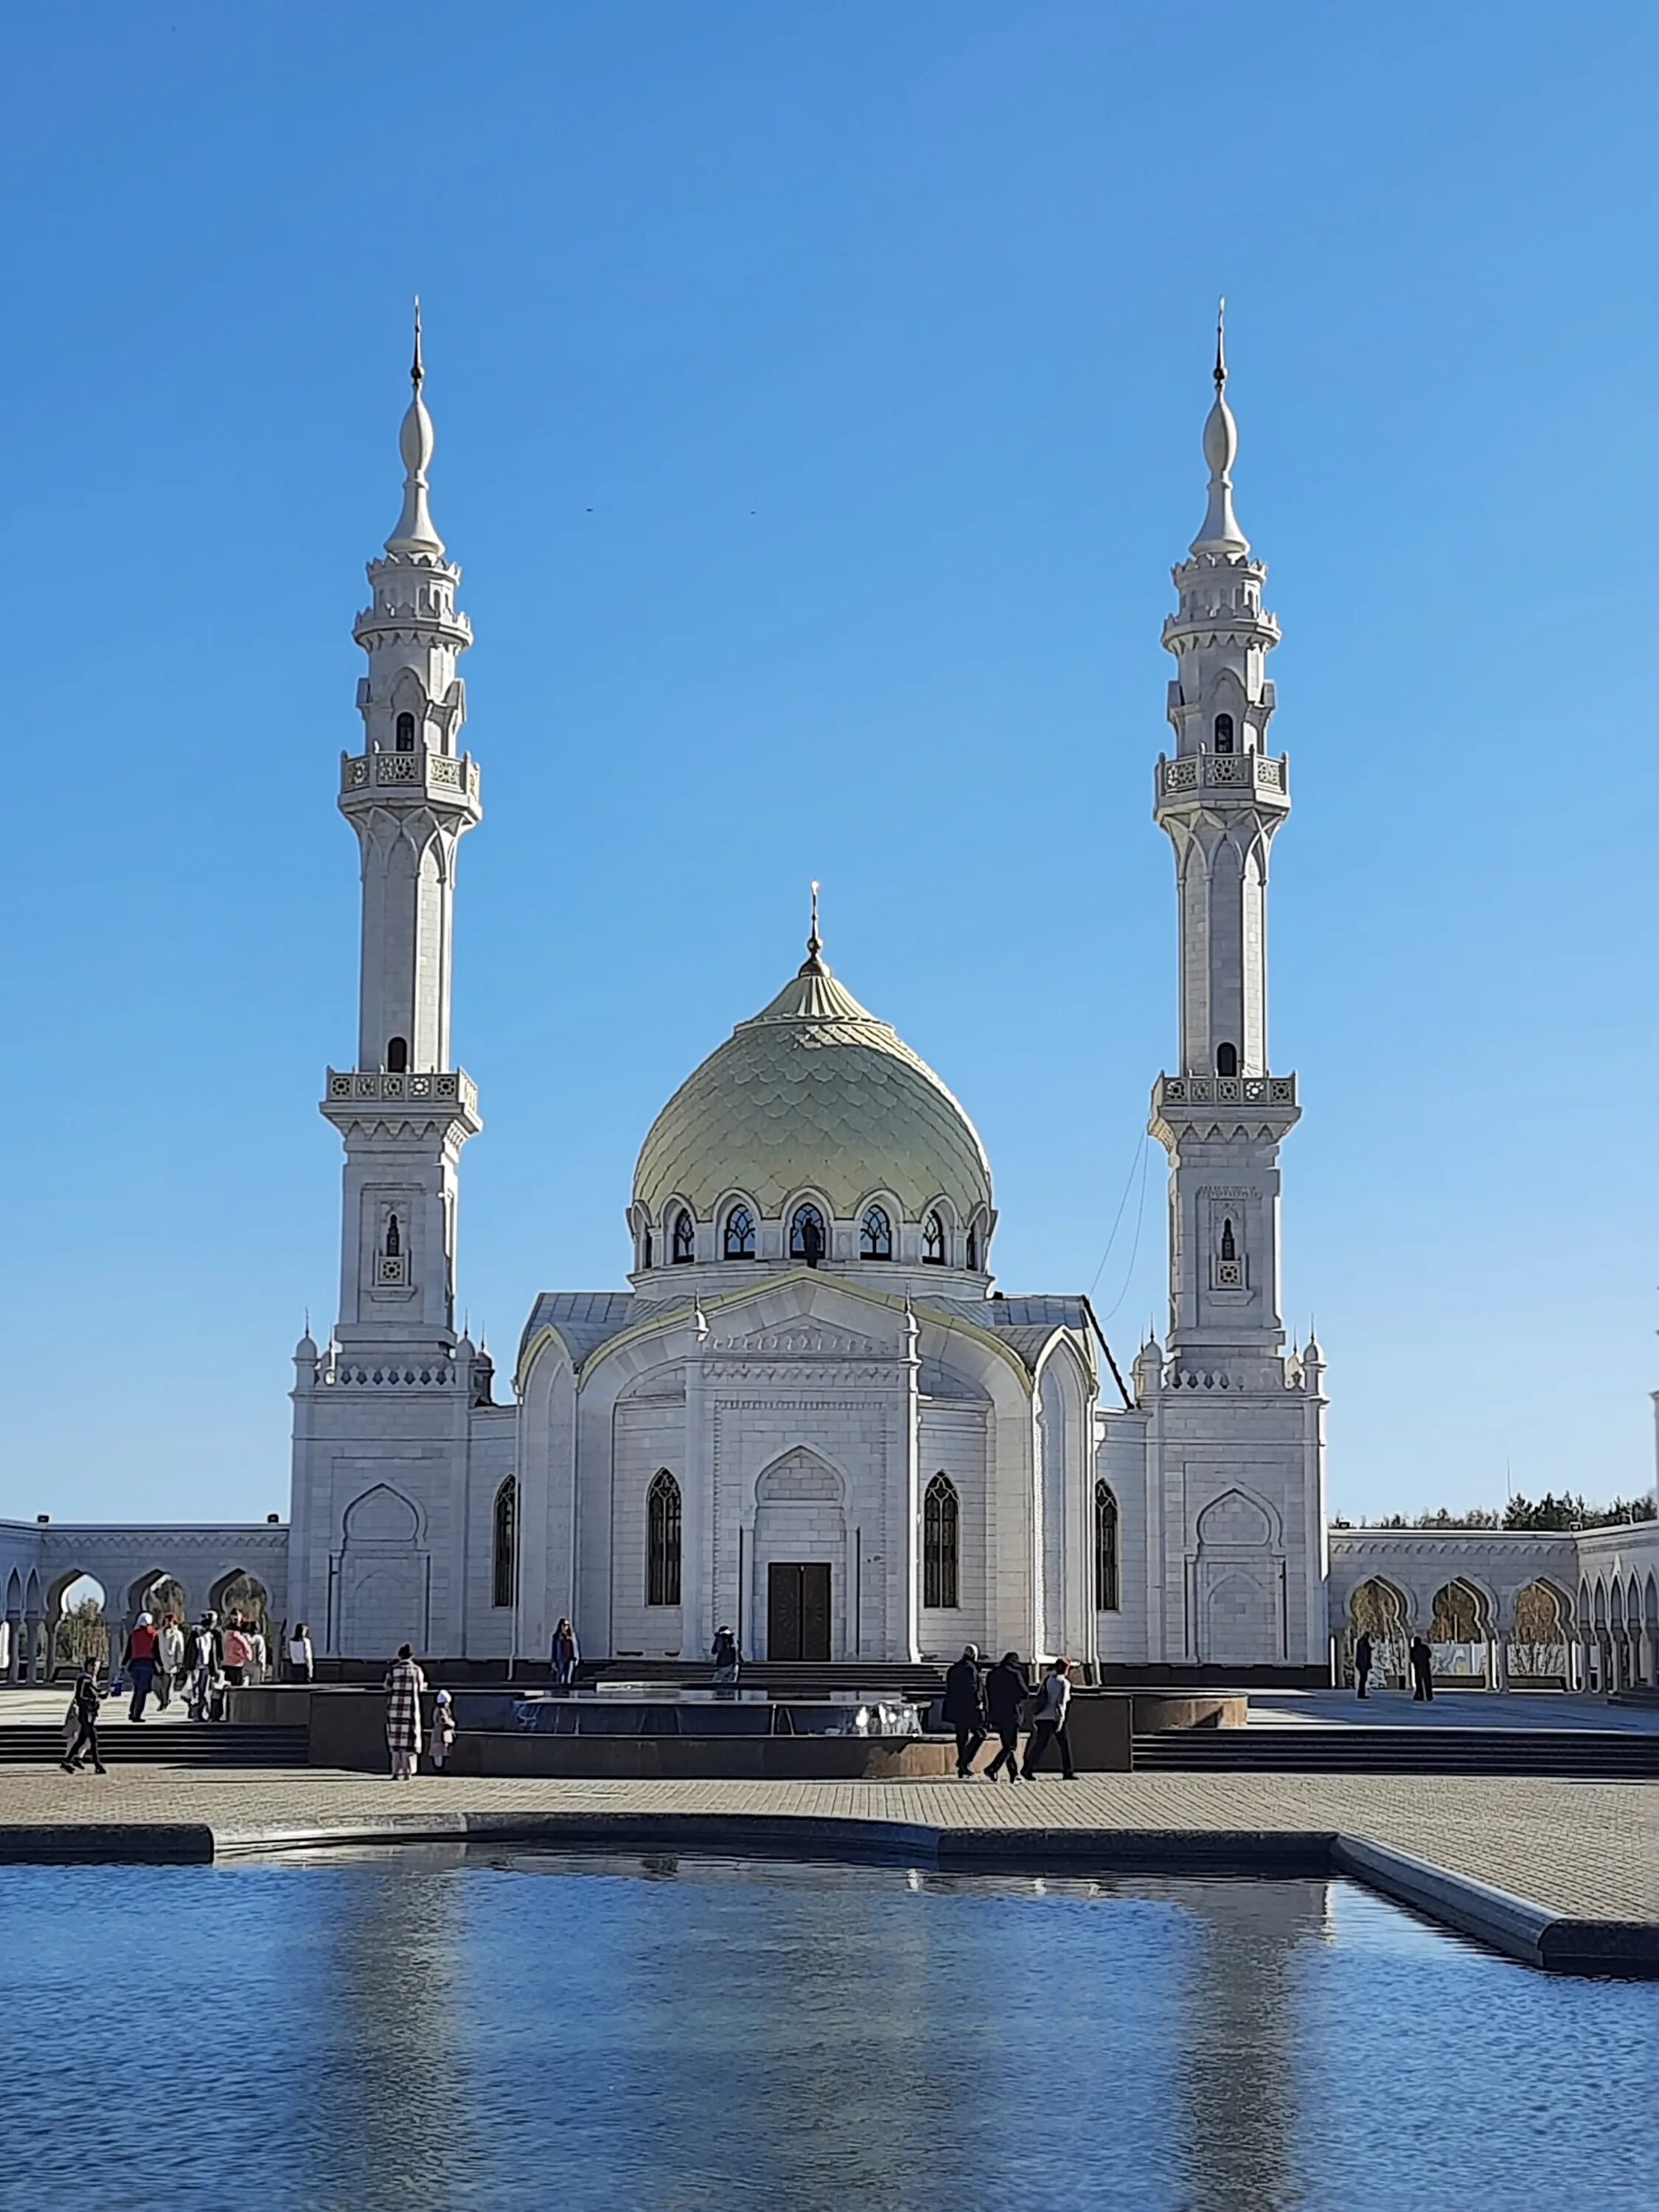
x,y
87,1704
566,1654
964,1709
1006,1691
169,1659
301,1658
1422,1672
1362,1662
404,1686
258,1653
139,1659
727,1659
238,1652
1049,1723
204,1651
443,1730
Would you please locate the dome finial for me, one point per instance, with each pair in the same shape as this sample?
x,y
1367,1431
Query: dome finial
x,y
813,964
1220,342
415,532
1221,532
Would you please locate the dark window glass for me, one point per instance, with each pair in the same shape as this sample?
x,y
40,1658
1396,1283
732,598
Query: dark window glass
x,y
397,1055
507,1542
973,1248
1224,733
685,1239
1229,1250
941,1543
394,1237
739,1234
645,1260
806,1239
1226,1060
662,1539
405,733
875,1235
1105,1549
932,1242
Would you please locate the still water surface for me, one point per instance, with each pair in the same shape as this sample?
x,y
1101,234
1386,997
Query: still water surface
x,y
430,2030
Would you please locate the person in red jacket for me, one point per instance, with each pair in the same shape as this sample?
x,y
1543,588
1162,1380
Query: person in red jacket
x,y
139,1660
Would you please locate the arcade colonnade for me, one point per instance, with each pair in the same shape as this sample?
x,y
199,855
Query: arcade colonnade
x,y
39,1562
1568,1611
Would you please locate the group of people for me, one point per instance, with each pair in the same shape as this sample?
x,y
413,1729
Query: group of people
x,y
406,1733
976,1704
1420,1659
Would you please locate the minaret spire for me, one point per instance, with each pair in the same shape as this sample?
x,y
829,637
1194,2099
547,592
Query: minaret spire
x,y
415,532
813,964
1220,532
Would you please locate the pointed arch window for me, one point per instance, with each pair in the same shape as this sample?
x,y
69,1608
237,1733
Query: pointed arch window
x,y
1106,1595
1229,1242
1224,733
973,1248
806,1237
397,1055
506,1544
685,1239
932,1242
647,1250
1226,1060
394,1237
662,1539
405,733
875,1235
739,1239
941,1544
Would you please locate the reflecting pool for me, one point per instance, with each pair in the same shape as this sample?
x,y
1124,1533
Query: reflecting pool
x,y
426,2030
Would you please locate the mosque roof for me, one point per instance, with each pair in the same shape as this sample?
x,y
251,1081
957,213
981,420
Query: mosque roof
x,y
814,1093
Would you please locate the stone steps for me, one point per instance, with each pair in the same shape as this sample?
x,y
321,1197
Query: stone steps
x,y
1600,1755
171,1743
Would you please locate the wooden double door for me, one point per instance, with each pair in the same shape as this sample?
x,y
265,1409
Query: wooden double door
x,y
798,1609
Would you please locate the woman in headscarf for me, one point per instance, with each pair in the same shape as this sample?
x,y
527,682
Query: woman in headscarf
x,y
404,1686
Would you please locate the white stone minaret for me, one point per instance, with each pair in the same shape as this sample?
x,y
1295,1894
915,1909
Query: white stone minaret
x,y
1221,798
405,1111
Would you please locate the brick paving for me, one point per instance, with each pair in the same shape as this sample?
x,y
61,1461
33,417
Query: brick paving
x,y
1585,1850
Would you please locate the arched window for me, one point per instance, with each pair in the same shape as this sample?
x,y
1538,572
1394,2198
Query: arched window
x,y
932,1242
646,1249
875,1235
506,1543
1228,1245
1224,733
405,733
662,1539
806,1240
941,1543
397,1055
394,1237
1226,1060
739,1234
685,1239
973,1248
1106,1600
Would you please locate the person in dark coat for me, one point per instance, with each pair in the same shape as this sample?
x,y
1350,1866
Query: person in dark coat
x,y
1049,1722
964,1709
1422,1672
1007,1691
1362,1662
87,1704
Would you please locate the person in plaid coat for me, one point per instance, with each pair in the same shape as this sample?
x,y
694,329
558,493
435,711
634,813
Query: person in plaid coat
x,y
404,1687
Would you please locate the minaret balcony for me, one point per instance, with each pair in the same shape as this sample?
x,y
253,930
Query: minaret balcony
x,y
441,778
1259,774
1191,1105
449,1094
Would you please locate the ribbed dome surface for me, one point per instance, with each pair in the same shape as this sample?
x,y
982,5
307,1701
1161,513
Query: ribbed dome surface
x,y
814,1093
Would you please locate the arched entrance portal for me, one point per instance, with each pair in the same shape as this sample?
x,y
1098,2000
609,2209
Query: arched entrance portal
x,y
1538,1649
76,1630
1460,1634
1379,1611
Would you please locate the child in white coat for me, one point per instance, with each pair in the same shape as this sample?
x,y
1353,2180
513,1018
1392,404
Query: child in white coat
x,y
443,1730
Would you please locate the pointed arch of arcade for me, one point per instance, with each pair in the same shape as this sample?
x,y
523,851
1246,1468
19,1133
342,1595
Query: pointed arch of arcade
x,y
504,1545
1380,1609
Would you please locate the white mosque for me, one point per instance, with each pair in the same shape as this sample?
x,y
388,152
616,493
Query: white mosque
x,y
813,1416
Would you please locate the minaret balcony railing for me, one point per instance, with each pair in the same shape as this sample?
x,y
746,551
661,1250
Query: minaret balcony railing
x,y
1225,1091
1224,772
451,1087
433,776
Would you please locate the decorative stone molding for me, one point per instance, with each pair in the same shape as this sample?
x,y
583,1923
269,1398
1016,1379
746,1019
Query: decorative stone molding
x,y
435,775
1210,771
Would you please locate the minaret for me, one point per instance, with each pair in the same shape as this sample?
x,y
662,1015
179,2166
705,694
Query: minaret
x,y
1221,798
405,1111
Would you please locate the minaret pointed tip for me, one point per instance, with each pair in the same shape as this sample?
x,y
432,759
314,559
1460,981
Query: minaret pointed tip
x,y
417,366
1221,347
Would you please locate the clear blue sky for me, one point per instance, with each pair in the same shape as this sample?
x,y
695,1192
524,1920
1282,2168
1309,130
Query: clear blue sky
x,y
818,391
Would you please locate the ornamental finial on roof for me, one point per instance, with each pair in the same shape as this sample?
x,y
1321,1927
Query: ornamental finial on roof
x,y
1220,342
813,963
416,440
1220,532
